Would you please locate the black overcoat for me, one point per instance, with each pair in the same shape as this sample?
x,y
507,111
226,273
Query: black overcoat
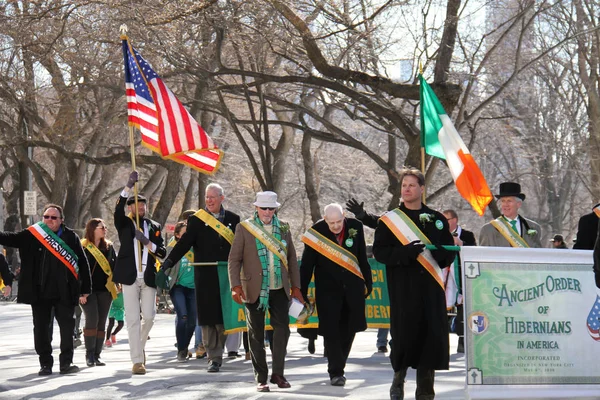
x,y
418,318
208,246
337,290
587,231
125,269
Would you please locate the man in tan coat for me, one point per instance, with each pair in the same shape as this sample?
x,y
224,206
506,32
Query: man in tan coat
x,y
510,229
262,270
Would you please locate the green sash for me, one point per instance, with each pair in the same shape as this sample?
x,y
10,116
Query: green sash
x,y
56,246
270,242
506,230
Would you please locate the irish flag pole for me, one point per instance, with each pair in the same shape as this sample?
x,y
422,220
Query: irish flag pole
x,y
422,147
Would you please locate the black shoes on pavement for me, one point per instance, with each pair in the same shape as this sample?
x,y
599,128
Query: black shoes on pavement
x,y
45,370
69,369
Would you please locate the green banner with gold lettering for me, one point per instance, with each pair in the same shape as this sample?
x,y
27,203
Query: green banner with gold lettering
x,y
377,305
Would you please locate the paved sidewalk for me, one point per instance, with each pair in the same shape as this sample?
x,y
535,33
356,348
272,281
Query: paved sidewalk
x,y
369,373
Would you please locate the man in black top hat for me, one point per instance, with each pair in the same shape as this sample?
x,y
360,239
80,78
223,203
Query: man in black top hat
x,y
558,242
510,229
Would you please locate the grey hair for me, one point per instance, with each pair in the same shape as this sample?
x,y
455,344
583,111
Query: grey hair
x,y
333,206
216,187
517,199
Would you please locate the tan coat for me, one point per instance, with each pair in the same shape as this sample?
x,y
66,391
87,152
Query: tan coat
x,y
245,268
489,236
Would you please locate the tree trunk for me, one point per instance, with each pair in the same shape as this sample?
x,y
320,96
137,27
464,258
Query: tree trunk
x,y
312,191
169,193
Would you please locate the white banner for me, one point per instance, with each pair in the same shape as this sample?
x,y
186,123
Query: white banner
x,y
531,323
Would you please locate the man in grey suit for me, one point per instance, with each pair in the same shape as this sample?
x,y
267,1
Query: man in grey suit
x,y
510,229
262,270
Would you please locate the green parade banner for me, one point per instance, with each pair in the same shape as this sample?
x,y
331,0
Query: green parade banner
x,y
377,305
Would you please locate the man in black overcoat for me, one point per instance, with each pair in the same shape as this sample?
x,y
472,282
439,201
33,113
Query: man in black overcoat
x,y
136,269
587,230
340,293
418,318
209,246
46,282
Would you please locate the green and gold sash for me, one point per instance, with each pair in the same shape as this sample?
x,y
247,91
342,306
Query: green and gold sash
x,y
275,246
406,231
103,263
332,251
217,225
506,230
56,246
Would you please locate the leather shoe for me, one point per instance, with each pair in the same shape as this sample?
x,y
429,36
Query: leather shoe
x,y
213,367
98,361
138,369
45,370
338,381
69,369
280,381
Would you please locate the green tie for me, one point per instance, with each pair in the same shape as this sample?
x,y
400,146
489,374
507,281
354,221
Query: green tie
x,y
514,225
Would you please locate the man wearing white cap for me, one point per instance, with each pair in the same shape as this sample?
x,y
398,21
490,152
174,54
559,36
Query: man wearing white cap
x,y
262,270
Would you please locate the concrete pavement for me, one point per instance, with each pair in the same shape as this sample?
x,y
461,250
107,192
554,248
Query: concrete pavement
x,y
369,373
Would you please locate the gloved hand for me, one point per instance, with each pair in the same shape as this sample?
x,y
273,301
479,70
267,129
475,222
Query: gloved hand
x,y
441,255
357,209
297,294
139,235
133,178
368,289
413,249
238,294
166,264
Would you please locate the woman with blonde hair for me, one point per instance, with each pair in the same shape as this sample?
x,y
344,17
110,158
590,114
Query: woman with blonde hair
x,y
101,256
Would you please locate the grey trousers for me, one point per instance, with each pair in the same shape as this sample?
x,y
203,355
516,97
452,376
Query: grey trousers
x,y
280,321
213,340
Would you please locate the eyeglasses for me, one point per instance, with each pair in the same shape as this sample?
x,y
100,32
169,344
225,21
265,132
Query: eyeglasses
x,y
52,217
267,208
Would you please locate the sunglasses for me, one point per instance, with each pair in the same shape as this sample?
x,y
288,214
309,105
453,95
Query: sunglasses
x,y
267,208
52,217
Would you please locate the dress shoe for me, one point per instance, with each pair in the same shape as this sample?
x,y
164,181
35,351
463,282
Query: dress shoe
x,y
213,367
382,349
98,361
233,354
311,346
69,369
338,381
138,369
262,387
45,370
281,382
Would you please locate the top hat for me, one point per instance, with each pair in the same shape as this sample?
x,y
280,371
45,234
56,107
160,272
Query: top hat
x,y
266,199
557,238
140,199
508,189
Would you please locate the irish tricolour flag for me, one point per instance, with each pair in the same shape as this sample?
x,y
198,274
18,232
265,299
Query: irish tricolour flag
x,y
440,139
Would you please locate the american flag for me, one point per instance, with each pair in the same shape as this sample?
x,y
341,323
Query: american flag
x,y
593,324
166,126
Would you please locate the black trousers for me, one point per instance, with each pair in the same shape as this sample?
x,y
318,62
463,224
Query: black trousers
x,y
280,321
42,314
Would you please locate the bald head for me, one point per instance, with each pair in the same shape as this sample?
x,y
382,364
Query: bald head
x,y
334,217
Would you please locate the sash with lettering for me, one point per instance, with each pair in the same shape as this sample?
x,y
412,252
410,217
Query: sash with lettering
x,y
272,243
506,230
56,246
217,225
332,251
103,263
406,231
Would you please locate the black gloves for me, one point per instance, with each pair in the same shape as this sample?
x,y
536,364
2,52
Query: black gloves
x,y
357,209
133,178
413,249
139,235
166,265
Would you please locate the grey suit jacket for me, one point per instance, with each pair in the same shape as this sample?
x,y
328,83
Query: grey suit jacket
x,y
489,236
245,268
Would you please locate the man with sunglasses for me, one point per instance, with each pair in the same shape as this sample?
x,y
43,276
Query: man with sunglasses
x,y
54,274
135,269
210,233
262,270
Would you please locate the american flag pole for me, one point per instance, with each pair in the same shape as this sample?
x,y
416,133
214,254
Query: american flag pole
x,y
123,29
